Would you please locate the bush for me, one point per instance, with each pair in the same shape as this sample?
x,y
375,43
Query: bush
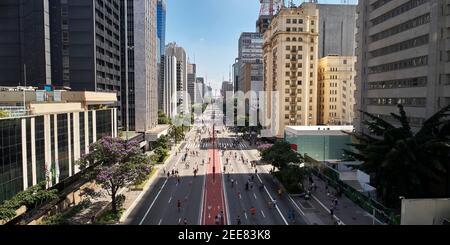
x,y
109,217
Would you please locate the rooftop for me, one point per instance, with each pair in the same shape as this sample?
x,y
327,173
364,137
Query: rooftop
x,y
319,130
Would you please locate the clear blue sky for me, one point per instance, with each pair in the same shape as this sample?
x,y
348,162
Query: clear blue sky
x,y
209,31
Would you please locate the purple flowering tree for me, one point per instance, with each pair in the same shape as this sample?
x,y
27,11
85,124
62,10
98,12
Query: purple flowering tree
x,y
115,163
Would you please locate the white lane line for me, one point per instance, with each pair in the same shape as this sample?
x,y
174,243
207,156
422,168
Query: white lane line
x,y
156,198
153,203
270,196
295,204
170,199
263,214
254,195
179,220
160,221
324,207
225,197
245,214
203,199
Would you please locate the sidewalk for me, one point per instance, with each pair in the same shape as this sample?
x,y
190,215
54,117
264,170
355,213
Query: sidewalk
x,y
347,212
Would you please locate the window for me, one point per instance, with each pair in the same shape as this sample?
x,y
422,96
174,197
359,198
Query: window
x,y
288,21
421,20
399,65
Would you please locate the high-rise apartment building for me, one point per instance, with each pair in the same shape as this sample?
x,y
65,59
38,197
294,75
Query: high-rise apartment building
x,y
336,90
249,65
290,68
140,102
25,43
403,58
199,90
173,50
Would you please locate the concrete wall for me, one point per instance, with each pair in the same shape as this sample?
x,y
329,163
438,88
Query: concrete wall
x,y
425,211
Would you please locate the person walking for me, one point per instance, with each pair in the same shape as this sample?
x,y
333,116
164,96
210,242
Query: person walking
x,y
332,212
179,205
185,221
238,220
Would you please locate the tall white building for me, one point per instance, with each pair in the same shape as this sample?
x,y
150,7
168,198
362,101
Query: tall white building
x,y
403,54
170,86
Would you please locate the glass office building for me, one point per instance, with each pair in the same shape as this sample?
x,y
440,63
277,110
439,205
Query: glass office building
x,y
161,26
46,147
322,143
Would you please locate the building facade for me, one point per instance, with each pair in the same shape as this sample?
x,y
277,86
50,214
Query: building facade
x,y
290,69
191,81
45,144
403,58
140,64
25,43
337,29
173,50
161,27
169,90
336,90
199,90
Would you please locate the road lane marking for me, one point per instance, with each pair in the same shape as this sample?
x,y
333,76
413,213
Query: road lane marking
x,y
255,196
160,221
170,199
245,214
153,203
326,209
295,204
263,214
179,220
159,193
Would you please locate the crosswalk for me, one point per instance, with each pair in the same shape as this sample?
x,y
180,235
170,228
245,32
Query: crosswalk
x,y
221,145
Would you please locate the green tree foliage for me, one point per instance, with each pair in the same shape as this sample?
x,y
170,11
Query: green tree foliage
x,y
30,198
406,163
162,118
280,155
4,114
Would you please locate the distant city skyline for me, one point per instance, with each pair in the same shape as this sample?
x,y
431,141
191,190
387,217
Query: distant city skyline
x,y
214,29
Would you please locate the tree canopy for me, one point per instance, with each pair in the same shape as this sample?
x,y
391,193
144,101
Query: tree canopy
x,y
406,163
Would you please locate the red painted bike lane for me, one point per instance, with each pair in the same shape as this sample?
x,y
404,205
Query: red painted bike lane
x,y
214,200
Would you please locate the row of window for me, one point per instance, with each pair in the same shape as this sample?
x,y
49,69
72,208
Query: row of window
x,y
400,83
408,44
399,65
421,20
412,102
398,11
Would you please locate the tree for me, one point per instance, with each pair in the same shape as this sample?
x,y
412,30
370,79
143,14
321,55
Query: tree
x,y
115,164
280,155
162,118
404,163
3,114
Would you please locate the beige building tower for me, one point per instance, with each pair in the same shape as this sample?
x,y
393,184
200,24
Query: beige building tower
x,y
336,90
290,68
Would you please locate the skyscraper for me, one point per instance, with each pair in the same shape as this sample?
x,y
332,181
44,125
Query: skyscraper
x,y
25,43
86,46
403,56
161,29
161,37
169,89
172,49
139,61
191,80
290,68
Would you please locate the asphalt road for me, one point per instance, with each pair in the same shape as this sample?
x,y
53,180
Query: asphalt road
x,y
159,206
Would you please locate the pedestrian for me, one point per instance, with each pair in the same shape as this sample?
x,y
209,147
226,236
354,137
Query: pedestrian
x,y
185,221
222,218
93,219
179,205
256,171
335,202
238,220
168,174
332,212
217,220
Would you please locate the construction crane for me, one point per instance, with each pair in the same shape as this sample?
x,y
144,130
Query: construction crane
x,y
270,7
